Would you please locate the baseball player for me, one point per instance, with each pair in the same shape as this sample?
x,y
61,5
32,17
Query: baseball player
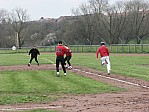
x,y
104,53
68,57
60,51
34,53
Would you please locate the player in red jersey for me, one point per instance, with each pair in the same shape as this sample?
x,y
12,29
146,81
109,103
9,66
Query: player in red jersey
x,y
68,57
60,52
104,53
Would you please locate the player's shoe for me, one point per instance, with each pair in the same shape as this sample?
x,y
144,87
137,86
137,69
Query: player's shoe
x,y
29,64
108,73
65,74
38,64
57,74
102,64
66,66
70,67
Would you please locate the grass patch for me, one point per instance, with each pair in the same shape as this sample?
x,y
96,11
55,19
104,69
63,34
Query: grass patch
x,y
44,86
131,66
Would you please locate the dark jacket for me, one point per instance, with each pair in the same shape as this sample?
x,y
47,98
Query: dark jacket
x,y
34,52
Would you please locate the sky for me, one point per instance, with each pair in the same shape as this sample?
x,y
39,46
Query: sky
x,y
44,8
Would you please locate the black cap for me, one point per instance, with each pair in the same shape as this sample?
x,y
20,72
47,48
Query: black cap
x,y
102,43
60,42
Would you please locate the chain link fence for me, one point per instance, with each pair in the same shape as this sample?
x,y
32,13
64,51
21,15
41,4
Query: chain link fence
x,y
114,48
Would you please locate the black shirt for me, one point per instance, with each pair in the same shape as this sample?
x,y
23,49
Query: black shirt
x,y
34,52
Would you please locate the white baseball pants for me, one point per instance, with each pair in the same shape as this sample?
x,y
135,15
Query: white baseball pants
x,y
106,61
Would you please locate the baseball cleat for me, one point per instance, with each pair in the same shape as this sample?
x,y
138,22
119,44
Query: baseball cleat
x,y
65,74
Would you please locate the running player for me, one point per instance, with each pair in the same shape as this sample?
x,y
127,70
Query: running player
x,y
104,53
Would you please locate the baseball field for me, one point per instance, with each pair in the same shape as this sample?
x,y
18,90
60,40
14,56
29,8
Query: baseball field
x,y
86,88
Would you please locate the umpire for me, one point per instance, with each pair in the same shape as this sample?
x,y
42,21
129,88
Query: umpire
x,y
34,53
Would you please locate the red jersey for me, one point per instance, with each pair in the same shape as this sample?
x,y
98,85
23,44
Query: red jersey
x,y
68,52
60,50
103,50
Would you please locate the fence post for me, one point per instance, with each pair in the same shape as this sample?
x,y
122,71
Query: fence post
x,y
135,50
111,48
141,46
128,48
116,48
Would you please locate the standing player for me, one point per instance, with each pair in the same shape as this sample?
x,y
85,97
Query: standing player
x,y
60,51
104,53
68,57
34,53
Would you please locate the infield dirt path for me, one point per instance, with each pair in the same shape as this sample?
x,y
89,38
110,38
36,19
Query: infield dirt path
x,y
136,99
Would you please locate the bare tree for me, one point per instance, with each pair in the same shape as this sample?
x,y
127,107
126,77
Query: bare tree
x,y
6,39
138,18
19,18
85,20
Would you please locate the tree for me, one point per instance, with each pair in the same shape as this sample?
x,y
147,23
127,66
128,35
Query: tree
x,y
19,18
6,38
138,16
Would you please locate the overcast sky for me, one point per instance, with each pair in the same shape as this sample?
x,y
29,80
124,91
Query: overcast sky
x,y
44,8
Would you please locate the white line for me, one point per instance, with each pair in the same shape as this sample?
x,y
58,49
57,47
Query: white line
x,y
48,60
30,108
118,80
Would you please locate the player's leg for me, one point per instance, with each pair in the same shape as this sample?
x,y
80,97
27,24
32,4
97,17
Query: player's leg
x,y
36,60
65,59
57,66
68,61
63,65
108,65
103,62
30,61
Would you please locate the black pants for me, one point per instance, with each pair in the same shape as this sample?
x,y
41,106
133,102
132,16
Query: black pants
x,y
67,58
33,58
60,59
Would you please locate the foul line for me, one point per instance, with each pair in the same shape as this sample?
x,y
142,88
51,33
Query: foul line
x,y
118,80
31,108
106,77
48,60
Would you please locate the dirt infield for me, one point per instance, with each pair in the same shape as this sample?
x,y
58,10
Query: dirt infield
x,y
135,99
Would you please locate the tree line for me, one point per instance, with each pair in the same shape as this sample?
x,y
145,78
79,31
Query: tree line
x,y
92,22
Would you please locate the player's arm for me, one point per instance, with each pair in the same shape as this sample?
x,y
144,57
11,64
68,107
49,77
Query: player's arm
x,y
97,53
38,52
30,52
108,52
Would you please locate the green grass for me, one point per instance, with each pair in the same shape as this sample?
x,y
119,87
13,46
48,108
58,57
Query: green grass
x,y
22,59
133,66
44,86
